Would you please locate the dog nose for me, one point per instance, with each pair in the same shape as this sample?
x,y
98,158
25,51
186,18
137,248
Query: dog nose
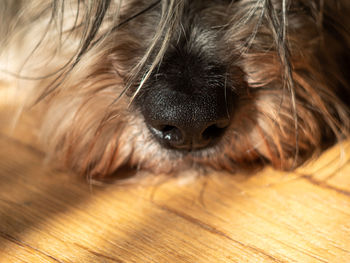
x,y
186,121
188,136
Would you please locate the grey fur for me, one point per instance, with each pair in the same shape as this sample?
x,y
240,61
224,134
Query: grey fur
x,y
283,64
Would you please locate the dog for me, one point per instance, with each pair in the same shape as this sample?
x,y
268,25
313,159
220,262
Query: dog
x,y
170,85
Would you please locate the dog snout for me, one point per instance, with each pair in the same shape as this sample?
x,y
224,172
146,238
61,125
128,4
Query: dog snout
x,y
187,102
185,121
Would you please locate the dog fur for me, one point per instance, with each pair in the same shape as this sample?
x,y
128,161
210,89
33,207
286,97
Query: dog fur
x,y
95,70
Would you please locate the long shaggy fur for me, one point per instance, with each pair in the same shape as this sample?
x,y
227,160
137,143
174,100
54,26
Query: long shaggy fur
x,y
85,63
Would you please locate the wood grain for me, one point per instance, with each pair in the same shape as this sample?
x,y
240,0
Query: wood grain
x,y
51,216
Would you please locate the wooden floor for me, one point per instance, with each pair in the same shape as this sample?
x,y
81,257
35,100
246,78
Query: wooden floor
x,y
50,216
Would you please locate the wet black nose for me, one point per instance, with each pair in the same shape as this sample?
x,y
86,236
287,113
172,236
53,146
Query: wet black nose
x,y
185,121
187,102
185,136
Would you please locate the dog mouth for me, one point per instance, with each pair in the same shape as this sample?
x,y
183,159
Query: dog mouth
x,y
174,153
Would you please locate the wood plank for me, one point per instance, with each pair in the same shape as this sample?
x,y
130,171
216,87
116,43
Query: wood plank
x,y
47,216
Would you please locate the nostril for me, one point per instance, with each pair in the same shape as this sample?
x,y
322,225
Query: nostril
x,y
188,137
167,128
168,133
172,133
213,131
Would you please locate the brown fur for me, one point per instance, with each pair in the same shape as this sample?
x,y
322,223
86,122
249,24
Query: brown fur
x,y
288,59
